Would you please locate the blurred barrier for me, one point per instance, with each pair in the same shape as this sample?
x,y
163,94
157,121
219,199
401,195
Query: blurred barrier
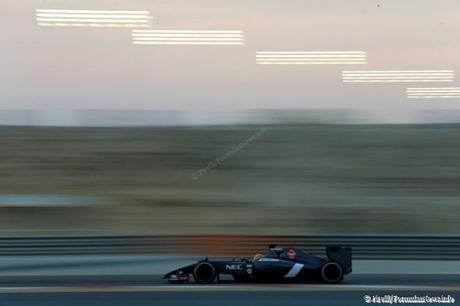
x,y
364,247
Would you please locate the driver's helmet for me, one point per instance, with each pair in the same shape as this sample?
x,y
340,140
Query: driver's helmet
x,y
291,254
258,256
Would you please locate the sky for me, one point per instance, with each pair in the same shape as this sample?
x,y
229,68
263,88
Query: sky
x,y
73,68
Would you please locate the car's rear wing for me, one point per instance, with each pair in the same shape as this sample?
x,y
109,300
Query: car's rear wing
x,y
341,255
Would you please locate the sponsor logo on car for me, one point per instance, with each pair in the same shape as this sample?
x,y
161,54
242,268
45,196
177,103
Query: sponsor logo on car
x,y
233,267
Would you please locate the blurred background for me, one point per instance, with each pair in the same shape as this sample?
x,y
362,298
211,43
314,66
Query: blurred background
x,y
287,179
101,134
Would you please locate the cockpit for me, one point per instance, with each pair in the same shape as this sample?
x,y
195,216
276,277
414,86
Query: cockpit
x,y
292,254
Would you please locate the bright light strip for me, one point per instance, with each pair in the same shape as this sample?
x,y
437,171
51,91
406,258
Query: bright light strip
x,y
111,25
139,35
396,81
363,75
433,97
433,89
92,18
397,76
395,71
310,57
184,43
187,37
188,31
433,92
310,52
105,16
354,56
91,11
310,63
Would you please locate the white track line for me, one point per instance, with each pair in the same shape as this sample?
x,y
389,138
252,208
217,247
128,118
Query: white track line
x,y
220,288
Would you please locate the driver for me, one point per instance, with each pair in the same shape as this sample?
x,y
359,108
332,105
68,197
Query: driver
x,y
257,256
291,254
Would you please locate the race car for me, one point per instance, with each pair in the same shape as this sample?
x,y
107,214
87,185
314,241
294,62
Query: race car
x,y
277,265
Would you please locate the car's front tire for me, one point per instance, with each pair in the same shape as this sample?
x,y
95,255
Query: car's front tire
x,y
331,272
204,273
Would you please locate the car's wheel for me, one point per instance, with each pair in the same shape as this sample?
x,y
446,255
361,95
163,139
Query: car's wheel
x,y
331,272
204,273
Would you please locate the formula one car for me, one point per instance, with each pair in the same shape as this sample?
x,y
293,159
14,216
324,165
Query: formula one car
x,y
278,265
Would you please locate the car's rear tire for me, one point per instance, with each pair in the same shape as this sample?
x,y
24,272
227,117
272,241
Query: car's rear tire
x,y
331,272
204,273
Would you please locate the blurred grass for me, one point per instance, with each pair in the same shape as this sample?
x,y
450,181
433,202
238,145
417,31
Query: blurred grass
x,y
292,179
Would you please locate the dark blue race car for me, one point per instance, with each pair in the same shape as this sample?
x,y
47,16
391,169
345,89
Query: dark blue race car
x,y
278,265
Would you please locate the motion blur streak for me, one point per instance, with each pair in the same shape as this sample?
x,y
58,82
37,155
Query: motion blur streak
x,y
96,25
434,97
433,93
185,43
310,57
187,37
308,63
296,179
188,31
91,11
398,76
91,18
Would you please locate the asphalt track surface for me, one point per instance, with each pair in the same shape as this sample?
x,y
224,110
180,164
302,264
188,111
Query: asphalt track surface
x,y
121,290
